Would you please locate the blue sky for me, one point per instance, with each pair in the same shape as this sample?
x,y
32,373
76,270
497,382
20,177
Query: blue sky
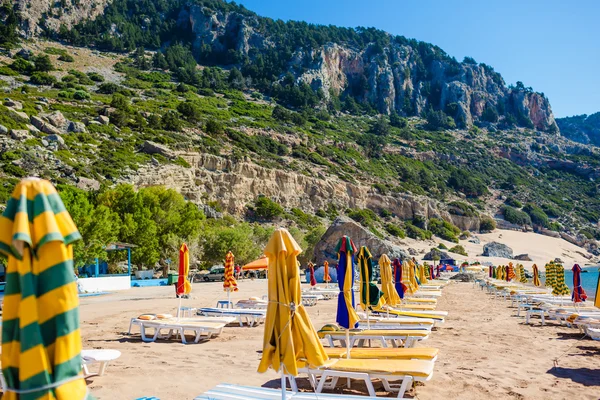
x,y
550,45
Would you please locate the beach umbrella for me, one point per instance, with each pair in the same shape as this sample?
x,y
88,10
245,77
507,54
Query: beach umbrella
x,y
522,273
257,265
311,269
41,340
510,273
409,273
437,273
493,273
369,292
346,316
422,275
561,288
517,274
184,287
326,277
579,294
550,280
536,276
490,268
229,282
390,294
289,335
398,285
431,275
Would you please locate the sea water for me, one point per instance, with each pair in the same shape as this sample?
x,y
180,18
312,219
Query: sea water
x,y
589,280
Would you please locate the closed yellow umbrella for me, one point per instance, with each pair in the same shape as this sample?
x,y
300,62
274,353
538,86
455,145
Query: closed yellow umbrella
x,y
422,274
41,340
412,276
390,295
289,335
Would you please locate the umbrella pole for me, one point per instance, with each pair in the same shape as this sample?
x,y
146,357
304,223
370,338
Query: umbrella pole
x,y
229,299
179,309
283,385
347,343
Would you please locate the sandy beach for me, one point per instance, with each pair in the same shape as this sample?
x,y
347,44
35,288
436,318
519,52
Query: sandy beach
x,y
486,351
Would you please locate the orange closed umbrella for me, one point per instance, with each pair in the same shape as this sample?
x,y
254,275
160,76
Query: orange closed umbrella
x,y
229,282
326,277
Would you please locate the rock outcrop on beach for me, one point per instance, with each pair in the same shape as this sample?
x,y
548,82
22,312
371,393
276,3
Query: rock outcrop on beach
x,y
325,250
495,249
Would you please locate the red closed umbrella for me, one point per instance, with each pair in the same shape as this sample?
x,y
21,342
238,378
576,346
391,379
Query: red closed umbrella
x,y
311,268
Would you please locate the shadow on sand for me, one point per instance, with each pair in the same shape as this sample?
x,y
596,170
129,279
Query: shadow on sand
x,y
584,376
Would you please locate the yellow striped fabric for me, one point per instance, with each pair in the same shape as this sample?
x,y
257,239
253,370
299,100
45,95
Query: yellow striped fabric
x,y
41,341
229,283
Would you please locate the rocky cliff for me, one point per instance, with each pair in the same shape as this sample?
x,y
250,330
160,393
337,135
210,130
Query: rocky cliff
x,y
380,71
236,184
404,76
37,16
581,128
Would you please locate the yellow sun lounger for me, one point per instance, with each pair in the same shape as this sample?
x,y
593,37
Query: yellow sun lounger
x,y
418,300
402,371
397,337
385,353
418,307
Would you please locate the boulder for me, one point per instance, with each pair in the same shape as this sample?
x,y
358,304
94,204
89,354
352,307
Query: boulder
x,y
154,148
464,277
19,134
32,129
211,212
104,120
325,248
57,119
45,143
87,183
44,126
3,130
25,54
475,240
77,127
14,104
18,115
94,122
523,257
437,254
495,249
58,140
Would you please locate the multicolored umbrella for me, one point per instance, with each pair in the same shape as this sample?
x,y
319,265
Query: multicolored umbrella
x,y
579,294
522,273
326,277
561,288
41,340
536,276
550,280
390,295
346,316
370,295
289,335
510,272
311,269
517,274
398,285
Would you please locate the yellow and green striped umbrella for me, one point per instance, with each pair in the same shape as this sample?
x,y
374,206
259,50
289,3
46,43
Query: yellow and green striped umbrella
x,y
390,294
561,288
522,273
41,340
550,280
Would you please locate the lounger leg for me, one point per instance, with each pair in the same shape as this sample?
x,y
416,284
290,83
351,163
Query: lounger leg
x,y
103,366
293,383
405,385
86,371
543,319
130,325
410,342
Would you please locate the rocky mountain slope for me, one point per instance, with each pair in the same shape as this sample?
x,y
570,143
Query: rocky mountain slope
x,y
581,128
390,74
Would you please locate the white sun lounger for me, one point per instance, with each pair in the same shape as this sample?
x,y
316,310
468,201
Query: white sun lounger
x,y
199,318
404,371
226,391
311,299
251,317
594,333
397,338
97,356
176,327
252,304
427,293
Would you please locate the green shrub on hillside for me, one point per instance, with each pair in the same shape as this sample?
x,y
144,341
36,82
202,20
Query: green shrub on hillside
x,y
267,209
513,202
465,182
487,224
442,246
444,229
462,208
364,217
395,230
458,249
537,215
515,216
417,233
42,78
